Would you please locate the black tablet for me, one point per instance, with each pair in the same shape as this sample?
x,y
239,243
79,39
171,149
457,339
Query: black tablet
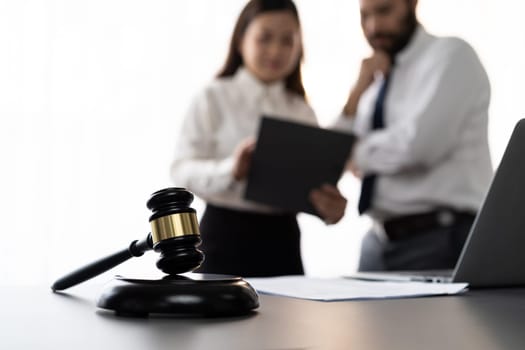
x,y
291,159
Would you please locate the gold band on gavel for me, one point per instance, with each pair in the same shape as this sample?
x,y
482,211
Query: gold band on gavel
x,y
174,225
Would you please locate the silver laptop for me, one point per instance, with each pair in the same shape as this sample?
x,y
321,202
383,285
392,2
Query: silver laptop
x,y
494,253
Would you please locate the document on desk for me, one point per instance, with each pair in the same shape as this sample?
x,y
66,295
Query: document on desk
x,y
337,289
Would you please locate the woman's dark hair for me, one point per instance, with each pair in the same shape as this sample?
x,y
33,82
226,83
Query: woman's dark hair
x,y
253,8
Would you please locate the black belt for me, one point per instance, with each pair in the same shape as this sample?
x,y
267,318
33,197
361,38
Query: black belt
x,y
410,225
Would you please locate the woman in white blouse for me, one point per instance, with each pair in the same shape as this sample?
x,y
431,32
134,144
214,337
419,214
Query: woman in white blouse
x,y
261,75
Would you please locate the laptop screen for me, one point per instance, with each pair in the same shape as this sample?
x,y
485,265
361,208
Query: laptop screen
x,y
493,254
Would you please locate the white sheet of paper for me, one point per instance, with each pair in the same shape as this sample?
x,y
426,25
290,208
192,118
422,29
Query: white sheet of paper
x,y
334,289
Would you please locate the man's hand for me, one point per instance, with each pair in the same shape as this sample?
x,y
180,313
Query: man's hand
x,y
329,203
243,157
378,62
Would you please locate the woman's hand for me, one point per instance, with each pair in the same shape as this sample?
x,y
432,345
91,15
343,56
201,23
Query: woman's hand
x,y
329,203
243,157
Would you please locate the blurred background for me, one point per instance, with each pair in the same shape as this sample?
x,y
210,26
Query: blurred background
x,y
92,94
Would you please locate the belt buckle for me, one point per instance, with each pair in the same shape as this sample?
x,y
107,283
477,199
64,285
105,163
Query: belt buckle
x,y
379,230
445,218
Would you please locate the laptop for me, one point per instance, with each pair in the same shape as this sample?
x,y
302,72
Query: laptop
x,y
494,252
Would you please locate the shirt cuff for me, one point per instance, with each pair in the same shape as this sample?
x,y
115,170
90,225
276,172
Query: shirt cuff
x,y
360,157
343,123
223,176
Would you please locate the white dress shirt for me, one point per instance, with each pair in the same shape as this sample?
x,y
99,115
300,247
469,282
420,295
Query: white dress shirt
x,y
433,151
225,113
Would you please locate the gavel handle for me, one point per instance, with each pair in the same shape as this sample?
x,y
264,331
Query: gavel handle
x,y
136,248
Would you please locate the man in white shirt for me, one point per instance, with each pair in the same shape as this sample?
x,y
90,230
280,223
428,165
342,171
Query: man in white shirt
x,y
420,109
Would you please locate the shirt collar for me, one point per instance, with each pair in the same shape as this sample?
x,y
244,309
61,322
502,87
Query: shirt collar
x,y
252,87
418,41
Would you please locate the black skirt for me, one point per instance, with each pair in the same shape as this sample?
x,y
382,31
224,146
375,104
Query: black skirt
x,y
249,244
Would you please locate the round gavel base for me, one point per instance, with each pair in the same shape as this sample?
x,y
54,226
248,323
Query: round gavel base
x,y
189,295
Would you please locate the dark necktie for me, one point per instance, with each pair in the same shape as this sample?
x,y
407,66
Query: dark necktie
x,y
378,122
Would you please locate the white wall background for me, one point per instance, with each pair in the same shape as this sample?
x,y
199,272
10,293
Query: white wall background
x,y
92,94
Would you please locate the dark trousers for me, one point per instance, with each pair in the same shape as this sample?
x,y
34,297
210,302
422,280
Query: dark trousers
x,y
249,244
434,248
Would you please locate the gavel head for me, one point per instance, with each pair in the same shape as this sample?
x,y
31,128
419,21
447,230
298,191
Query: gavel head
x,y
175,230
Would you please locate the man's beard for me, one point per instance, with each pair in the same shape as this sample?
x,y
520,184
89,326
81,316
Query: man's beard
x,y
399,40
